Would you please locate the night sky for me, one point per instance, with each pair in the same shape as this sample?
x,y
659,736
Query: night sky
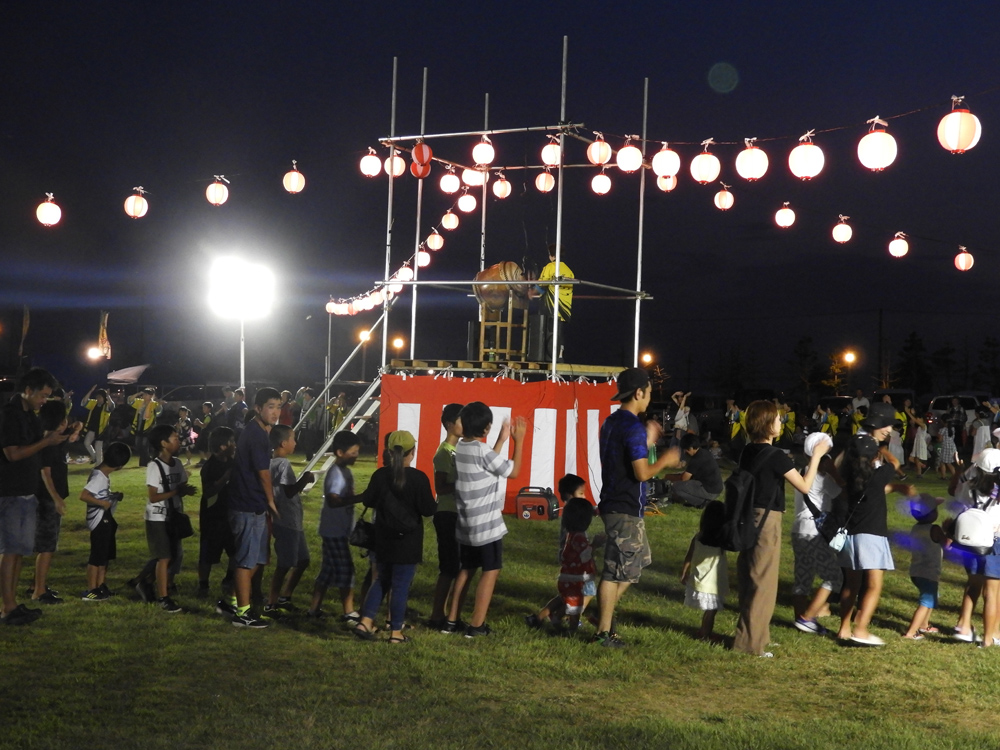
x,y
99,97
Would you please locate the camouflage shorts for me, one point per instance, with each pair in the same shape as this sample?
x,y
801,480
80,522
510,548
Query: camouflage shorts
x,y
627,550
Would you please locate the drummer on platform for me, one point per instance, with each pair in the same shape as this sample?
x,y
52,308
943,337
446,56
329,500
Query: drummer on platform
x,y
548,292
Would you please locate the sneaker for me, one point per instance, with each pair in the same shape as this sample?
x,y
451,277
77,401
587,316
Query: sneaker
x,y
248,621
450,627
21,615
145,592
352,617
272,612
169,605
222,607
285,604
609,640
95,595
475,632
532,621
48,598
810,626
965,637
318,614
766,655
48,589
104,587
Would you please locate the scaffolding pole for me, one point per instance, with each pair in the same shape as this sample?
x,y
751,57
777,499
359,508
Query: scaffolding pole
x,y
388,217
642,222
416,236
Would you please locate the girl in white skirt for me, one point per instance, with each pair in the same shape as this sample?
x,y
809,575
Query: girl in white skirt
x,y
705,572
919,454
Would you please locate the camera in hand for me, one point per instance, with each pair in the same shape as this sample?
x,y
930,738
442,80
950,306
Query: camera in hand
x,y
116,497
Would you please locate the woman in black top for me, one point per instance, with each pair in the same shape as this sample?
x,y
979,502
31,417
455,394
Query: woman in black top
x,y
757,568
401,497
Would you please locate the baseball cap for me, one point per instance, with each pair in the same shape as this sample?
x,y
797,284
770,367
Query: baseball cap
x,y
988,460
924,504
866,446
629,380
401,439
881,415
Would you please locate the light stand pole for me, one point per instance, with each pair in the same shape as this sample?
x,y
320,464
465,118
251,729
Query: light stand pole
x,y
243,356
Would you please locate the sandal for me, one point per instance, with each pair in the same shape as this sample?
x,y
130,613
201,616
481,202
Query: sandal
x,y
363,633
400,639
931,629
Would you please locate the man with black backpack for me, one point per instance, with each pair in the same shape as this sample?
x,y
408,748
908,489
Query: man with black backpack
x,y
625,468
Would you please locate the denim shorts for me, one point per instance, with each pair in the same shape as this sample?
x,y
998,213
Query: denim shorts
x,y
250,538
18,519
47,525
928,591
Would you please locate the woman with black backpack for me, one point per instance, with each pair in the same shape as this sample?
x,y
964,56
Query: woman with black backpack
x,y
401,497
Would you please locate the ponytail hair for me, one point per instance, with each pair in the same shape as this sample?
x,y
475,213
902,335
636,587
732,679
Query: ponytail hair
x,y
393,458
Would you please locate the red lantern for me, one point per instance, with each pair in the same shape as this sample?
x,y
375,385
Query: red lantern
x,y
421,153
420,171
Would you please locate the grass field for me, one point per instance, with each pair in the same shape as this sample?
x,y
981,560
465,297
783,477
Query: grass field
x,y
121,674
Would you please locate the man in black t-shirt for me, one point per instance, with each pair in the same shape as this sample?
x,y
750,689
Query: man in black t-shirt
x,y
22,441
701,480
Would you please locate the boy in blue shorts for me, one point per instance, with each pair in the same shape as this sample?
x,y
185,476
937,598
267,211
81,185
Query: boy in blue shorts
x,y
478,497
101,503
336,522
289,539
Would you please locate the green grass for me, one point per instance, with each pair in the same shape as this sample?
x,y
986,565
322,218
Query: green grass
x,y
124,675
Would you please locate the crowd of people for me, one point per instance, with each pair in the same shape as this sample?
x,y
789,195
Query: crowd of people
x,y
251,508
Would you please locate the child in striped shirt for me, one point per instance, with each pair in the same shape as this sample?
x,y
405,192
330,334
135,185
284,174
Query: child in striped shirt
x,y
479,499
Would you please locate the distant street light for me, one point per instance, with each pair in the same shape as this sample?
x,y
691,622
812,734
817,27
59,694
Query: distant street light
x,y
242,290
363,335
398,343
647,358
849,358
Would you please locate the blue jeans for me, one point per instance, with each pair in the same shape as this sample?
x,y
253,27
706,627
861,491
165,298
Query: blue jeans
x,y
393,579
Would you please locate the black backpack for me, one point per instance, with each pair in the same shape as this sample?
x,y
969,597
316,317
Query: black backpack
x,y
739,532
395,516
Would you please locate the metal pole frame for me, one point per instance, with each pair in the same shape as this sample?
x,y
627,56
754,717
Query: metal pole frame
x,y
559,215
642,223
416,235
388,218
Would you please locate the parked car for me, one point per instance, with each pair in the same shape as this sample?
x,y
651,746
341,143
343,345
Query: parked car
x,y
970,402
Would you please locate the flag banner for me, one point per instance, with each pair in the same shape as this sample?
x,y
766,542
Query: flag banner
x,y
103,343
564,421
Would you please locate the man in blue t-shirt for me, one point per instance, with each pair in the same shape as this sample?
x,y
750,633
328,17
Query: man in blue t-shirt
x,y
250,499
625,468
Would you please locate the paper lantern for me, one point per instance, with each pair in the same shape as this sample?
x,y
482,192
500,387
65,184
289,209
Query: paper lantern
x,y
136,205
629,158
964,259
501,188
705,168
365,303
217,193
899,246
405,273
467,203
293,179
473,177
724,199
331,307
666,162
959,130
842,231
551,153
421,153
434,240
48,213
420,171
545,181
784,217
601,183
396,164
450,182
751,162
599,152
666,182
378,297
877,150
371,165
450,220
394,288
423,258
483,153
806,160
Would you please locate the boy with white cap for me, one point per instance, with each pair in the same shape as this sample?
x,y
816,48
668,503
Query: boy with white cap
x,y
813,555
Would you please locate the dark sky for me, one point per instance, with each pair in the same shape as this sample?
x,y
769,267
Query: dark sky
x,y
99,97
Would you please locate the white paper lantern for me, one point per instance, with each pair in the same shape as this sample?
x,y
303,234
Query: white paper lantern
x,y
473,177
784,217
434,240
545,181
599,152
371,165
842,231
899,246
136,205
666,182
959,130
964,260
601,184
217,193
751,163
877,150
450,182
724,199
48,213
806,160
501,188
629,158
467,203
293,181
483,153
450,219
705,168
405,273
396,164
666,162
551,154
423,258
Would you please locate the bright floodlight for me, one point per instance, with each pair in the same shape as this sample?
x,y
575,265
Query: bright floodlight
x,y
94,353
647,358
364,335
239,289
849,357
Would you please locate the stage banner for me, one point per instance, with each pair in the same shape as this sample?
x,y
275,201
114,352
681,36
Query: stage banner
x,y
564,420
